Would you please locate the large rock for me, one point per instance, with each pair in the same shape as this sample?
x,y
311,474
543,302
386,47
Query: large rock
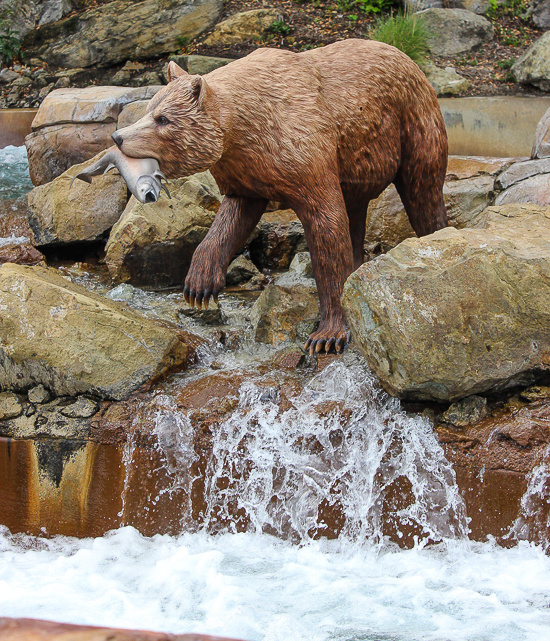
x,y
53,150
152,244
459,312
288,308
121,30
446,82
541,144
73,125
32,13
58,334
60,214
535,189
540,13
468,190
247,26
280,235
455,31
533,67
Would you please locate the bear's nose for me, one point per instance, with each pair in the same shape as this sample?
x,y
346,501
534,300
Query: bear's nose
x,y
117,138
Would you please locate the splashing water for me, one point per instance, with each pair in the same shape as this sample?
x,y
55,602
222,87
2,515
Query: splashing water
x,y
343,446
14,173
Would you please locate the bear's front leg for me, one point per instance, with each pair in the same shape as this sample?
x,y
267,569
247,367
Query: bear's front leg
x,y
232,226
327,233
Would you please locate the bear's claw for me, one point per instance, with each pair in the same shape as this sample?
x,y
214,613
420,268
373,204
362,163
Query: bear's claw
x,y
199,298
327,340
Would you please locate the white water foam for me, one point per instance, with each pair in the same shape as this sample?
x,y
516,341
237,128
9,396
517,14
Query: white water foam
x,y
14,172
257,587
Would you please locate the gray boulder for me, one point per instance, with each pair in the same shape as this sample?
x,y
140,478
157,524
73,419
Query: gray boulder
x,y
533,67
541,144
152,243
288,308
446,82
58,334
121,30
455,31
32,13
73,125
60,214
459,312
540,13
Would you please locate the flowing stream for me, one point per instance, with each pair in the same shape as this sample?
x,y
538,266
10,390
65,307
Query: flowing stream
x,y
340,442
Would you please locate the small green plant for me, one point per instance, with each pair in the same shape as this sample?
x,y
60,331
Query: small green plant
x,y
345,6
467,61
280,28
374,6
9,40
353,17
406,31
182,41
506,64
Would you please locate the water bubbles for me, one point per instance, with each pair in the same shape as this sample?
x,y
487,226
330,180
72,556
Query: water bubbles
x,y
343,460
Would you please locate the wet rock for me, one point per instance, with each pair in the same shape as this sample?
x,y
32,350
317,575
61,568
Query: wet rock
x,y
152,244
529,427
247,26
465,412
10,406
119,31
82,408
541,144
60,214
58,334
240,271
280,236
445,316
289,358
213,316
301,265
535,393
533,67
455,31
287,310
21,254
446,82
73,125
38,395
26,629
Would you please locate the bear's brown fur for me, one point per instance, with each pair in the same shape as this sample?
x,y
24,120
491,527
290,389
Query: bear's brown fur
x,y
322,132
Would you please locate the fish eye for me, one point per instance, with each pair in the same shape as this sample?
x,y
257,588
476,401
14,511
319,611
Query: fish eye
x,y
162,120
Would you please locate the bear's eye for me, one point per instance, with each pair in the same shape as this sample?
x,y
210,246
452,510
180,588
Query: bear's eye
x,y
162,120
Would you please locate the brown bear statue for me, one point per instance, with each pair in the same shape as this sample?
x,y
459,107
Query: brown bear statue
x,y
323,132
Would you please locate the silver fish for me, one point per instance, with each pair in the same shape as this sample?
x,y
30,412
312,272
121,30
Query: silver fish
x,y
142,175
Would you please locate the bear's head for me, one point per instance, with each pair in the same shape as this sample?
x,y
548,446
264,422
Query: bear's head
x,y
181,128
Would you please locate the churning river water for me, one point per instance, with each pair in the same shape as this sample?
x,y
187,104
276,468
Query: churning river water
x,y
255,586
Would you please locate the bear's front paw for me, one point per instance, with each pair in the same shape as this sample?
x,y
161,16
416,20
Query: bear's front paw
x,y
330,336
201,286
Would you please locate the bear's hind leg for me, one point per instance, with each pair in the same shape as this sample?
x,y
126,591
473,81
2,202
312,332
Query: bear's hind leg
x,y
421,191
357,217
234,222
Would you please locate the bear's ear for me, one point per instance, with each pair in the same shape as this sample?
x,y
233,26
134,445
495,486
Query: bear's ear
x,y
200,90
175,71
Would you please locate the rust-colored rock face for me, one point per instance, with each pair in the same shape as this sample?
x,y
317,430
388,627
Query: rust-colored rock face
x,y
358,113
37,630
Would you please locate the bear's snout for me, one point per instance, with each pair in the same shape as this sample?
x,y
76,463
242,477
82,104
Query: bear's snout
x,y
117,138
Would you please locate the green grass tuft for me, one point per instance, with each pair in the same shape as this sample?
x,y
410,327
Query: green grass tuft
x,y
407,32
